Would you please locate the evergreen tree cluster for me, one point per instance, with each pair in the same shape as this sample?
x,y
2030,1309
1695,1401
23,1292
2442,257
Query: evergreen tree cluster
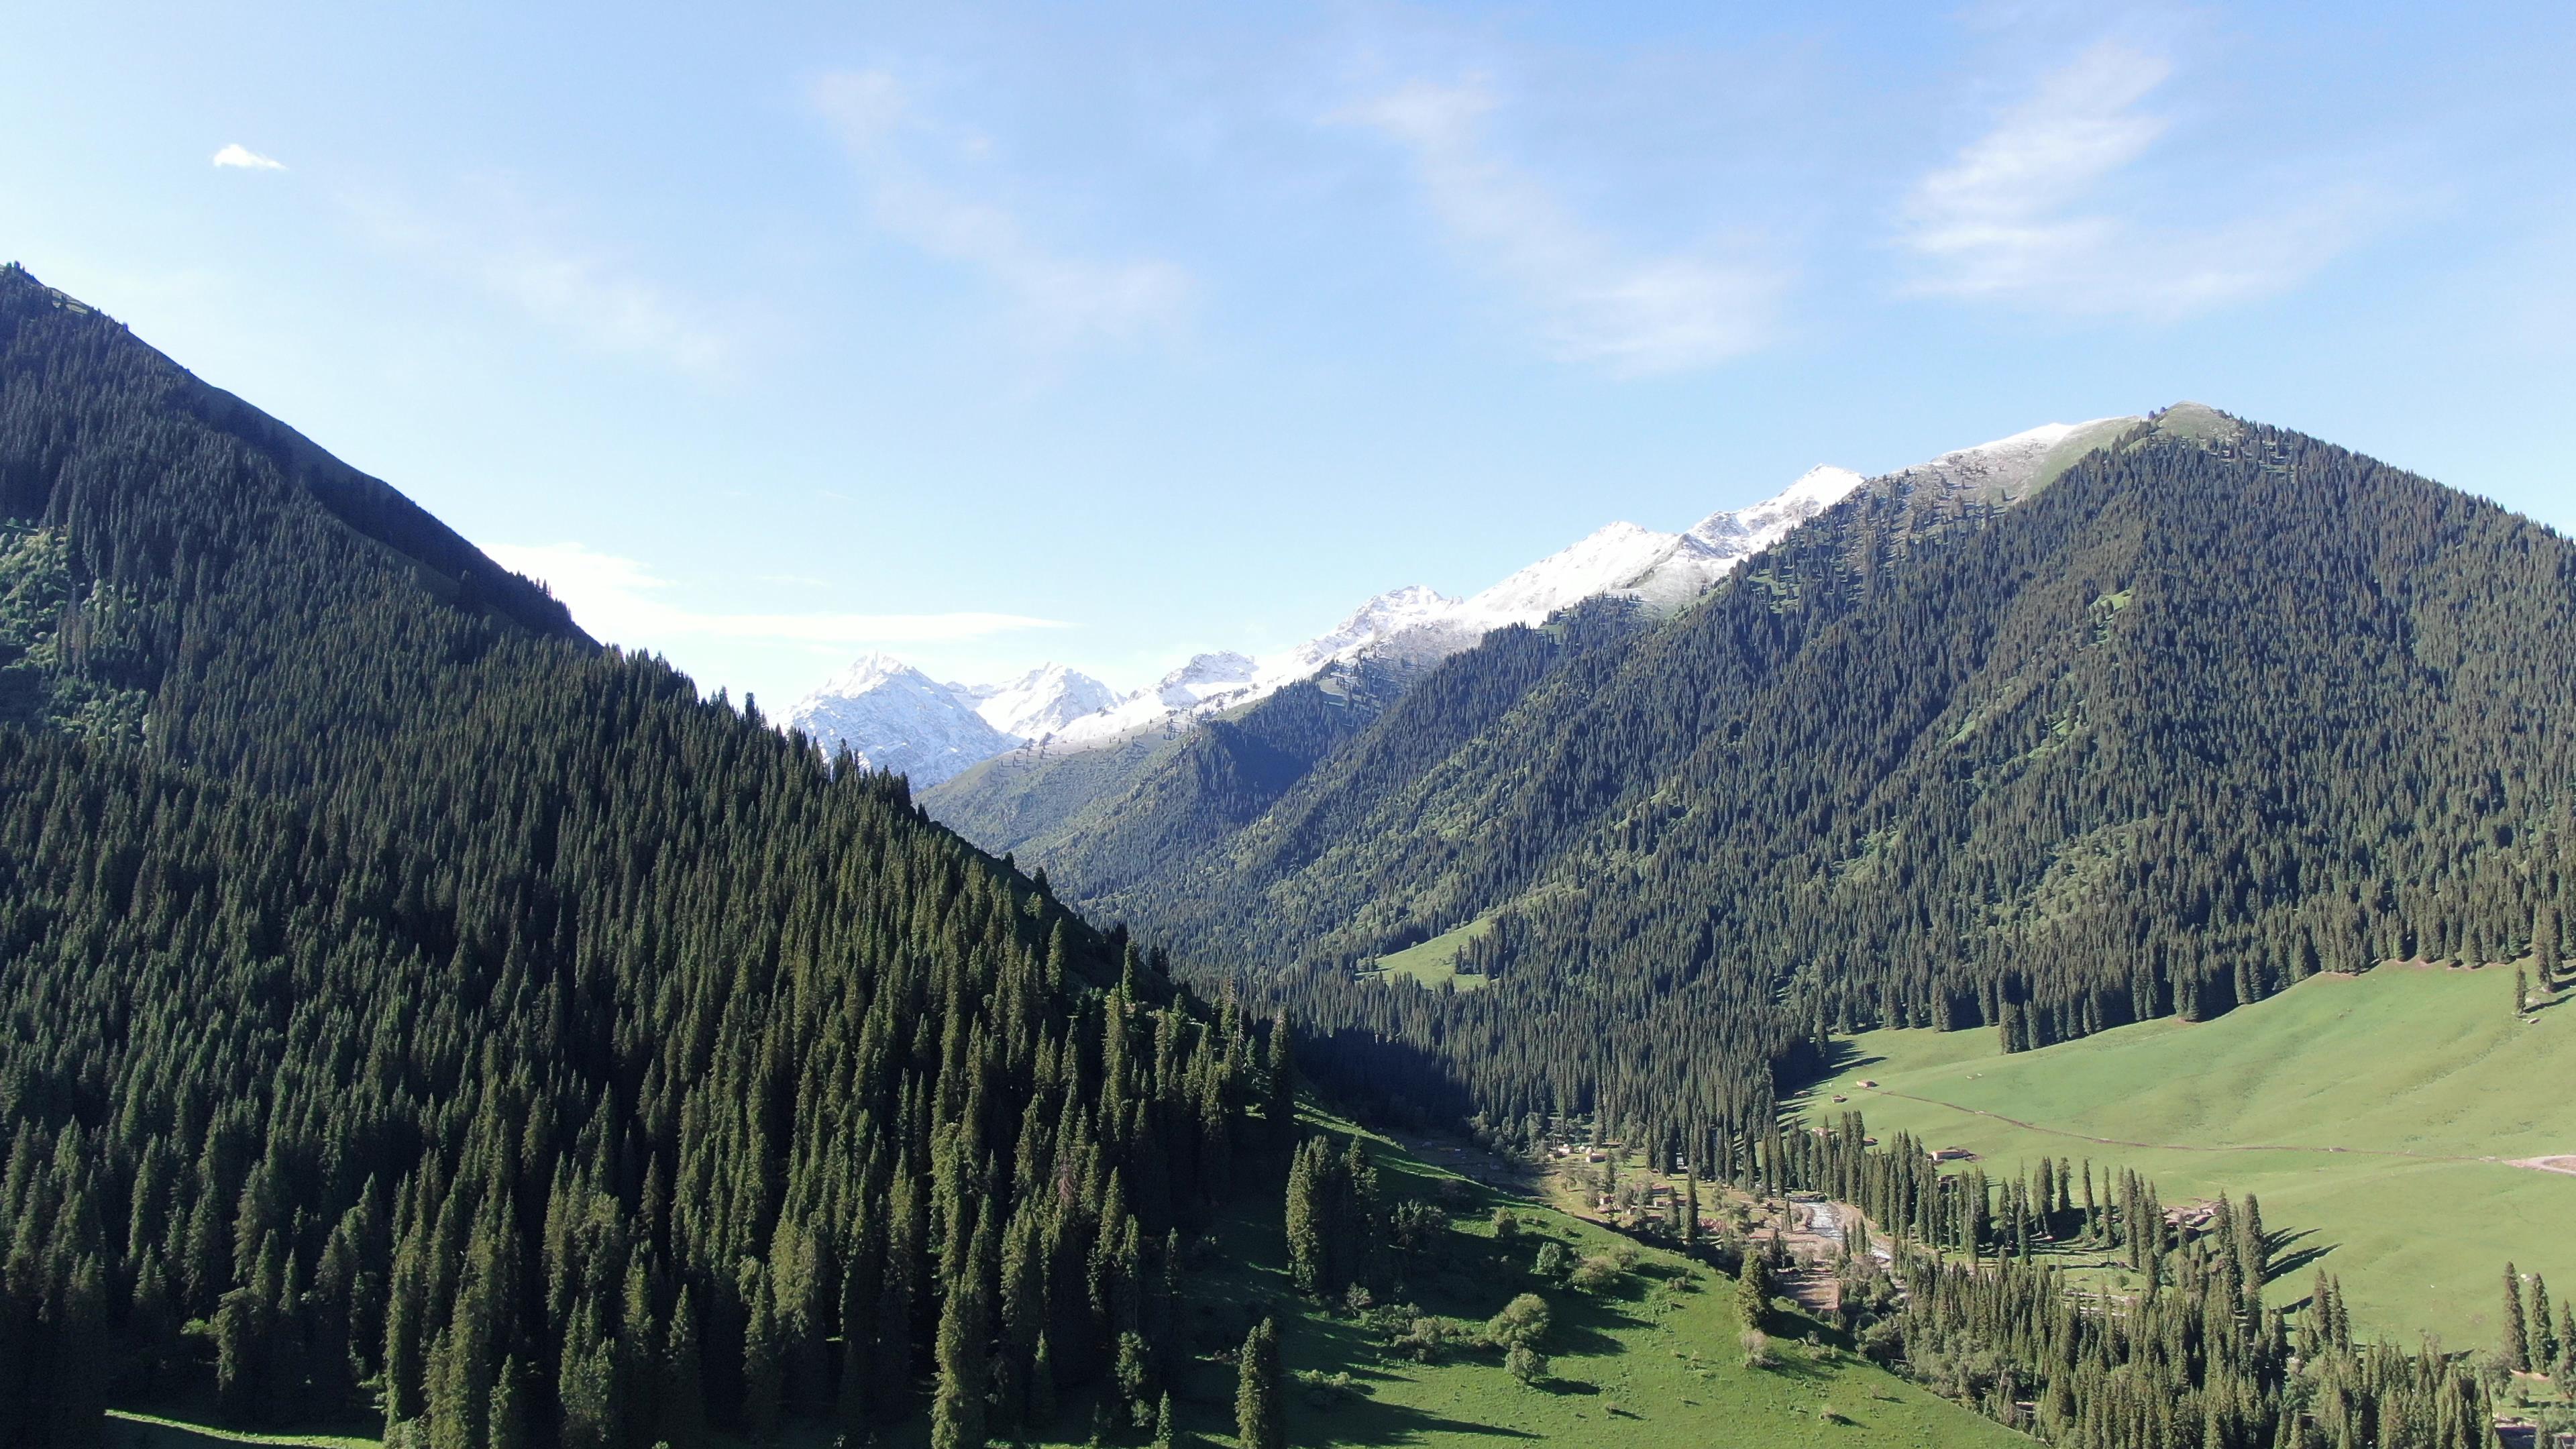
x,y
415,1007
2193,1356
1334,1219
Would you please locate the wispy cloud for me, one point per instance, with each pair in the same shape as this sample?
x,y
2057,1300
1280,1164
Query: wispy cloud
x,y
244,158
2037,211
619,600
1596,300
1064,297
528,256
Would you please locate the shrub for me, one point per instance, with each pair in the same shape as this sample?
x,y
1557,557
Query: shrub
x,y
1757,1349
1425,1339
1521,1324
1507,1225
1526,1364
1596,1274
1321,1388
1551,1260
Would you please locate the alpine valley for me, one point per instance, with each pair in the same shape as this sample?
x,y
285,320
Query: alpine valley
x,y
1839,973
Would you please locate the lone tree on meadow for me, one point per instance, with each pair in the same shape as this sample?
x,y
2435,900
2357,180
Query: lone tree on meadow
x,y
1753,1291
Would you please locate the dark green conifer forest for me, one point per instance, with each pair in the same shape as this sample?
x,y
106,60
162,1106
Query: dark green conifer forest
x,y
414,995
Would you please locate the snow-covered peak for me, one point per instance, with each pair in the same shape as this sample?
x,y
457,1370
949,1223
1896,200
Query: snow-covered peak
x,y
1607,559
1040,702
2009,468
1739,533
870,671
894,717
1395,613
1205,677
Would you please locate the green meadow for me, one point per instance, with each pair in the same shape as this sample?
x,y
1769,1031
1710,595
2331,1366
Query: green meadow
x,y
1436,960
2376,1117
1655,1361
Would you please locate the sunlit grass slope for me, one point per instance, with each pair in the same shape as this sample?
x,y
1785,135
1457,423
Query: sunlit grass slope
x,y
1655,1363
1436,960
2419,1074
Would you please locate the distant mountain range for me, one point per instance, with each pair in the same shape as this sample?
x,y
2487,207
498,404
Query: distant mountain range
x,y
893,717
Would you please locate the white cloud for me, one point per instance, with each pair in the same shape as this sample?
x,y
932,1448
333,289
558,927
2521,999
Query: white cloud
x,y
1065,298
1596,300
2031,212
239,155
523,254
616,599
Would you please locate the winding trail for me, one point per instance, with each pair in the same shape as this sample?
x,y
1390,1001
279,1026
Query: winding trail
x,y
2530,1164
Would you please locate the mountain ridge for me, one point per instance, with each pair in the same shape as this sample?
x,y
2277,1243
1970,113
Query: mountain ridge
x,y
2215,707
1002,806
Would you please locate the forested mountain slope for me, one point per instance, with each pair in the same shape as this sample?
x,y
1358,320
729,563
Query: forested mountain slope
x,y
2222,706
414,996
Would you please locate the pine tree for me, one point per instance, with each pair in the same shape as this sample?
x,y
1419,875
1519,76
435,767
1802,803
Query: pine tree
x,y
506,1427
764,1362
1258,1391
684,1412
1306,1225
1753,1292
957,1410
2543,1356
1042,1404
2515,1348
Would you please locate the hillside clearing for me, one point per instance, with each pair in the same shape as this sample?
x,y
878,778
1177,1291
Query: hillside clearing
x,y
2391,1122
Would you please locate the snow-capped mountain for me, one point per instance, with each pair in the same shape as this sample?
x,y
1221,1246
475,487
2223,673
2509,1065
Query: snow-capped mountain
x,y
1040,702
2009,468
895,717
917,726
1419,625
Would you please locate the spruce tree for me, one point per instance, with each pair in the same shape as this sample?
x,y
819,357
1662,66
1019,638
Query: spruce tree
x,y
957,1409
1258,1391
2515,1346
684,1410
506,1426
1307,1227
764,1358
2544,1329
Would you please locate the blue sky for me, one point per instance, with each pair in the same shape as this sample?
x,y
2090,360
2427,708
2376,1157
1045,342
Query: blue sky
x,y
1104,333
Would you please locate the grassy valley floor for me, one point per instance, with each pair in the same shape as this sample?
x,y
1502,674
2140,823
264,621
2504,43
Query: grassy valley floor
x,y
1655,1362
2379,1118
